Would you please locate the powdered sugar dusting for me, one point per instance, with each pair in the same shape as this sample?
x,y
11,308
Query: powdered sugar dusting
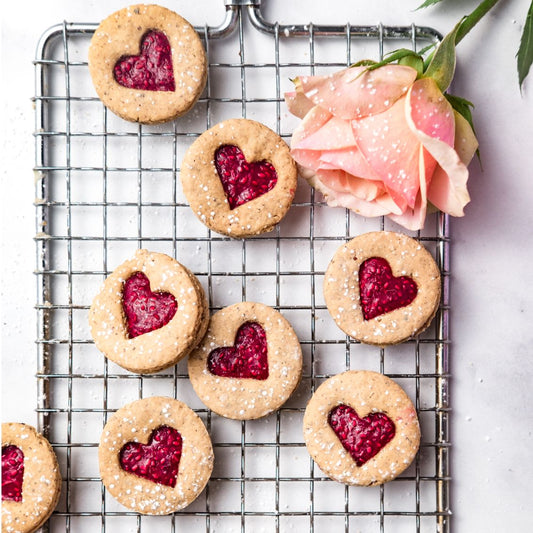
x,y
41,482
145,495
244,397
365,393
406,257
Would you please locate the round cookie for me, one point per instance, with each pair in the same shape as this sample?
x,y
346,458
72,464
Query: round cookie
x,y
382,288
155,455
249,362
150,313
361,428
239,178
31,480
147,64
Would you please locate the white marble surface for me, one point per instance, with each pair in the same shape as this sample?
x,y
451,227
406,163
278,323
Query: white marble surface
x,y
492,250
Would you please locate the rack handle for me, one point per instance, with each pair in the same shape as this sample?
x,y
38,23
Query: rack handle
x,y
253,8
236,3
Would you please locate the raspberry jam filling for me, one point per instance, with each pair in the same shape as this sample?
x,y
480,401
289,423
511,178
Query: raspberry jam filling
x,y
12,473
145,310
152,70
361,437
243,181
380,291
246,359
158,460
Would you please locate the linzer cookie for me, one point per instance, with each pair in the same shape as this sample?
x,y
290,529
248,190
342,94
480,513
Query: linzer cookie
x,y
239,178
361,428
248,363
155,455
31,481
150,313
147,64
382,288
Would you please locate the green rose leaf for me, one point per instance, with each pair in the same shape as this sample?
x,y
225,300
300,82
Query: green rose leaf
x,y
442,65
462,106
428,3
524,57
414,61
364,63
403,56
395,56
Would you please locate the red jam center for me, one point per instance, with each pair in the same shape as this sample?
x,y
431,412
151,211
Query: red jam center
x,y
12,473
158,460
152,70
380,291
361,437
243,181
146,310
246,359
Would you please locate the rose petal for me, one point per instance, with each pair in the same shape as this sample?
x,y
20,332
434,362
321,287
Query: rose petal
x,y
349,201
446,191
335,133
315,133
350,160
430,112
340,181
361,207
450,198
413,219
466,143
298,104
392,150
398,200
309,159
386,201
341,190
311,123
356,92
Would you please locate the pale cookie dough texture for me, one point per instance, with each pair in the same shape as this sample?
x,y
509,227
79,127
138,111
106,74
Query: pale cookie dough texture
x,y
160,348
120,35
406,257
204,191
366,392
135,422
41,484
247,398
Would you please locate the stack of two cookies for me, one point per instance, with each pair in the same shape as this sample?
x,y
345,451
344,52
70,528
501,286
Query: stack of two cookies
x,y
142,295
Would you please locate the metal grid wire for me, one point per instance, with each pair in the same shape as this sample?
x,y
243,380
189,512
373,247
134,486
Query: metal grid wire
x,y
106,187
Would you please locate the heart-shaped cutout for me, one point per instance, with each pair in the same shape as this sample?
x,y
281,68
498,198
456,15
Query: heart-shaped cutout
x,y
243,181
158,460
145,310
12,473
152,70
246,359
361,437
381,292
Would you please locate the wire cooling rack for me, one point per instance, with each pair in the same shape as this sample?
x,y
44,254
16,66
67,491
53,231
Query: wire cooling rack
x,y
106,187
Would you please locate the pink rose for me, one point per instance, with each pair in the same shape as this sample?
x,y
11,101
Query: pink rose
x,y
382,143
